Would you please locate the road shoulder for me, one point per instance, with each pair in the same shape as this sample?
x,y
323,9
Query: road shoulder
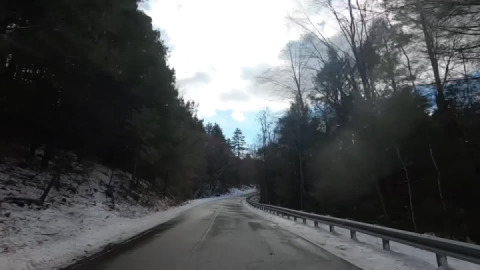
x,y
359,253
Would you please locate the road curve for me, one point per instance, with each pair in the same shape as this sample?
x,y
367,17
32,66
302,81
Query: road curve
x,y
223,234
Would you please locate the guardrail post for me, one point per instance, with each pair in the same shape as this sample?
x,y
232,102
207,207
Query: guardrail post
x,y
442,260
386,244
353,234
441,248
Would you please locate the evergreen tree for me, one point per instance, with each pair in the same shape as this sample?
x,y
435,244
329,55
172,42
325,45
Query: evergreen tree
x,y
96,82
238,143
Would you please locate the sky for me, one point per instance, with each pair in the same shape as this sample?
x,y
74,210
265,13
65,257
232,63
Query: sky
x,y
218,48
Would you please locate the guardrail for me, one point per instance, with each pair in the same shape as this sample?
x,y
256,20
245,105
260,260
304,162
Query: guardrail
x,y
441,247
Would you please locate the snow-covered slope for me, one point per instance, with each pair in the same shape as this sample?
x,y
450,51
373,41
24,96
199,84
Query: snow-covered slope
x,y
77,220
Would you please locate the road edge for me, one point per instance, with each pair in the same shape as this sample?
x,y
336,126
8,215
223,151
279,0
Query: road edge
x,y
253,210
113,246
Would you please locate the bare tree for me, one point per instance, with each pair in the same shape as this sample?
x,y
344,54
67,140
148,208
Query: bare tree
x,y
295,79
264,118
432,55
354,29
448,32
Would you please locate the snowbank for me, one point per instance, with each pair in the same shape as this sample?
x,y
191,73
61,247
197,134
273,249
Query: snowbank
x,y
366,252
73,225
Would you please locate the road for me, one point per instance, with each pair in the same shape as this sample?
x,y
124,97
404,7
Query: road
x,y
222,234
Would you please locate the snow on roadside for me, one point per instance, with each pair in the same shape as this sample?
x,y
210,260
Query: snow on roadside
x,y
103,228
366,252
76,220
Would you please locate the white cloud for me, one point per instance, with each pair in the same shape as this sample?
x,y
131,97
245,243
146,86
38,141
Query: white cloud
x,y
220,40
238,116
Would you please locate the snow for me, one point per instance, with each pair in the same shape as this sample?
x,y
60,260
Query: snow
x,y
73,225
366,252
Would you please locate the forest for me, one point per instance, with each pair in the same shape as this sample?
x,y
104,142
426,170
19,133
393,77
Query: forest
x,y
89,81
384,126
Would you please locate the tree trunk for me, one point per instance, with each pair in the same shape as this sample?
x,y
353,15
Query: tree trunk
x,y
391,71
429,42
47,155
410,195
382,202
55,178
302,180
469,96
265,175
134,171
31,151
111,177
362,70
409,67
135,181
439,183
165,184
359,59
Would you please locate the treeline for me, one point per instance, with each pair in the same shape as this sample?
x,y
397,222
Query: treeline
x,y
91,78
368,136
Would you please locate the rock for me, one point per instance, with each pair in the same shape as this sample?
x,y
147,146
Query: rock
x,y
7,214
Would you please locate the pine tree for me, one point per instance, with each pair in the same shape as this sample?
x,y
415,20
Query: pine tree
x,y
238,143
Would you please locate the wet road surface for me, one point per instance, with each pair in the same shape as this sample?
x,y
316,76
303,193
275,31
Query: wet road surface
x,y
223,234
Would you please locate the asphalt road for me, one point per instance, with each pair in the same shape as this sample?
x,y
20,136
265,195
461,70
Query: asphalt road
x,y
223,234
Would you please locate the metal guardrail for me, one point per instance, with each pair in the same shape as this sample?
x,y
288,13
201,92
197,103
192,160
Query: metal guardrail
x,y
441,247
